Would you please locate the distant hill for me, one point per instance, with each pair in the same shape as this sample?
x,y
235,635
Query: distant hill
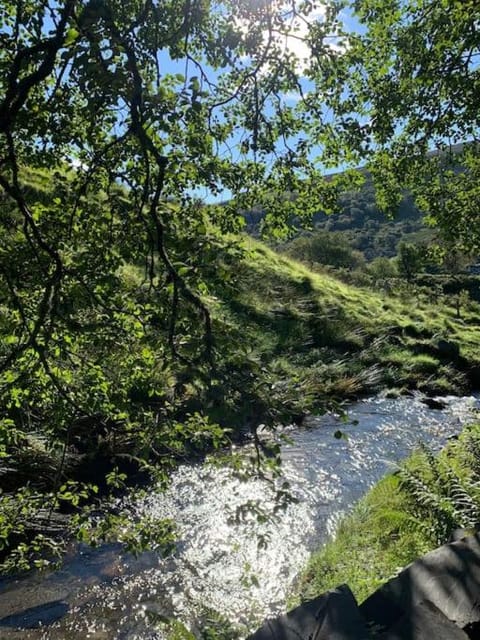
x,y
363,225
368,230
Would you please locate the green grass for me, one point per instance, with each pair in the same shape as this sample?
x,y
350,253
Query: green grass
x,y
402,517
268,269
295,319
371,545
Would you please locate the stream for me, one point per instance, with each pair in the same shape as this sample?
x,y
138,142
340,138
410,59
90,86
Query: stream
x,y
240,567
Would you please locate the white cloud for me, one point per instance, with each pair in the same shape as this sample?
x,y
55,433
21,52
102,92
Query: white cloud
x,y
291,30
291,96
297,31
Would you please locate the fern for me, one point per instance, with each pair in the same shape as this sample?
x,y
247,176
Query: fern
x,y
434,513
431,462
470,453
463,493
439,498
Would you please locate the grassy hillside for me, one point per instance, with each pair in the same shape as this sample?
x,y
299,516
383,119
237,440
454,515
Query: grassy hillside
x,y
107,394
351,338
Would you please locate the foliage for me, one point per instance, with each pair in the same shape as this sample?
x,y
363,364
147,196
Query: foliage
x,y
382,269
443,492
411,259
88,92
325,248
406,104
113,118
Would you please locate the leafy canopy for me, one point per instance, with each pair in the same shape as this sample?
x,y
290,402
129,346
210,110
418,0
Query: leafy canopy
x,y
114,118
148,104
406,104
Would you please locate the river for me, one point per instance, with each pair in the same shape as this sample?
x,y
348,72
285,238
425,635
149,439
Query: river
x,y
237,566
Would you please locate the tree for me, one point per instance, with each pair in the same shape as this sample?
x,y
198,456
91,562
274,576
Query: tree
x,y
326,248
382,268
411,259
144,101
114,117
406,104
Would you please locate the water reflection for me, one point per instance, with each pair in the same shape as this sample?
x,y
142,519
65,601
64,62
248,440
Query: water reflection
x,y
218,562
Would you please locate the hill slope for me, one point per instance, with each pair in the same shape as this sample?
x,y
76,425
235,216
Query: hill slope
x,y
363,225
299,319
112,394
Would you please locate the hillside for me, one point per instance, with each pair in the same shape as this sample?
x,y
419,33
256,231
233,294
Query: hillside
x,y
108,395
351,339
363,225
371,231
368,230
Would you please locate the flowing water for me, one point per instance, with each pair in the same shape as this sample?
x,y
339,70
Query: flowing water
x,y
228,558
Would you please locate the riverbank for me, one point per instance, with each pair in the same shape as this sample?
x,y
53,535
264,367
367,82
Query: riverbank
x,y
405,515
288,343
233,553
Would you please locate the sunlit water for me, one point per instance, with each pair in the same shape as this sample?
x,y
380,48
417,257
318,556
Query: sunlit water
x,y
220,562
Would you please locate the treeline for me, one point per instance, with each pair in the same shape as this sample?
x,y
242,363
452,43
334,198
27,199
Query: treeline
x,y
422,266
335,250
363,225
367,229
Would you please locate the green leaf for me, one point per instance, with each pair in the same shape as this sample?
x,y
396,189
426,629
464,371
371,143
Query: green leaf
x,y
70,37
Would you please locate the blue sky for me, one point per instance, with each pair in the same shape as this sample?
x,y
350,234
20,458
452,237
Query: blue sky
x,y
293,43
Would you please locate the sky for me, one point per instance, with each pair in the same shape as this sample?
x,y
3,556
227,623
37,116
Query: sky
x,y
291,43
294,43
